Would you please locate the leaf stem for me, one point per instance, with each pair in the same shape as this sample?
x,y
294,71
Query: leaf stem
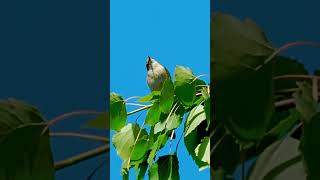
x,y
140,109
81,157
80,135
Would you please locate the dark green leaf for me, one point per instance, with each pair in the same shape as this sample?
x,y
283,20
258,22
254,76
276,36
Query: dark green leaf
x,y
242,91
167,167
310,146
143,168
118,112
101,121
24,152
284,66
285,125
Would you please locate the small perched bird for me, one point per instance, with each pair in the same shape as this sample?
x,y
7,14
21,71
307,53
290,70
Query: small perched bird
x,y
156,74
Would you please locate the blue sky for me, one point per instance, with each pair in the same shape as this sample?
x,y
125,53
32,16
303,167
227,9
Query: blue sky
x,y
173,32
53,56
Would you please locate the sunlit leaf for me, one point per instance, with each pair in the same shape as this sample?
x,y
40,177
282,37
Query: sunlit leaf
x,y
124,142
118,112
153,115
167,96
154,95
185,85
202,152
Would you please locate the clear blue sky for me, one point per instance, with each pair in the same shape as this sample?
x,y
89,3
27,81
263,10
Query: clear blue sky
x,y
173,32
53,56
283,22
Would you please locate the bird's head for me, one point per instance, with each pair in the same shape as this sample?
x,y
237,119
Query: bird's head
x,y
152,63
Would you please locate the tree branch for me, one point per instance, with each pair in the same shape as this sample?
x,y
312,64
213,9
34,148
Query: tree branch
x,y
80,135
81,157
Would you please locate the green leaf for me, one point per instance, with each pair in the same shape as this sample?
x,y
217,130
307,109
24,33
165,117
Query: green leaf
x,y
24,152
175,119
118,112
310,146
281,160
194,132
153,115
156,146
167,167
242,91
284,66
185,85
101,121
143,168
207,111
195,117
285,125
124,142
154,95
202,152
305,104
167,96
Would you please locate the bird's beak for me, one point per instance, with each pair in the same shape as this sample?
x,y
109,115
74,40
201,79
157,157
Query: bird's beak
x,y
148,62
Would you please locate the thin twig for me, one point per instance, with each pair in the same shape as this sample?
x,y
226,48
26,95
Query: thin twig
x,y
68,115
81,157
135,104
295,76
285,47
80,135
217,144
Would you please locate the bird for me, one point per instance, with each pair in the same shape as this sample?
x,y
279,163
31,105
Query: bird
x,y
156,74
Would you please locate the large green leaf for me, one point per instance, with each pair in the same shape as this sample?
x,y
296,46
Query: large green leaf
x,y
242,91
195,117
185,85
118,112
194,132
153,115
167,167
281,160
101,121
25,153
310,147
167,96
127,143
